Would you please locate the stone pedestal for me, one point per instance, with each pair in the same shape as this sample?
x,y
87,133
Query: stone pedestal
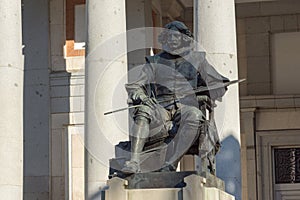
x,y
195,188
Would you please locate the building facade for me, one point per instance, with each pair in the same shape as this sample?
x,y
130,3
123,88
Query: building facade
x,y
49,100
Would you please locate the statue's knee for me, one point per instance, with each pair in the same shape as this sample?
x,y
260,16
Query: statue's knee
x,y
143,113
195,115
141,119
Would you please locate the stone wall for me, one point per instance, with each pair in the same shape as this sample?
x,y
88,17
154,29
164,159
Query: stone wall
x,y
67,105
256,22
262,113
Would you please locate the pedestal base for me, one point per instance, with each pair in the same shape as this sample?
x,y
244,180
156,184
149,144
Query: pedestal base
x,y
195,188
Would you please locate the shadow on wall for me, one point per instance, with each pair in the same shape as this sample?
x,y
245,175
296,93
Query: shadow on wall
x,y
46,108
229,166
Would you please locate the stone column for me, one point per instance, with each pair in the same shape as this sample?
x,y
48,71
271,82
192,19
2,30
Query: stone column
x,y
11,101
138,16
214,29
106,73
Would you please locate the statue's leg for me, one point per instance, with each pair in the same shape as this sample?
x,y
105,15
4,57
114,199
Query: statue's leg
x,y
188,132
140,133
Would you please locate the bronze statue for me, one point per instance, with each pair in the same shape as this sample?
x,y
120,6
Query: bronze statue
x,y
170,102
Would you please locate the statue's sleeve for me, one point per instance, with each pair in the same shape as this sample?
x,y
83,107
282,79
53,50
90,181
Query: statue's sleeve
x,y
212,78
142,79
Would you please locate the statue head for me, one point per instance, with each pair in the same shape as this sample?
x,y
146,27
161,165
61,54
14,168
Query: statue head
x,y
175,36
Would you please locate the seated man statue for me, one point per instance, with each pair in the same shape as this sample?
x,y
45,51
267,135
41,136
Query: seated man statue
x,y
167,92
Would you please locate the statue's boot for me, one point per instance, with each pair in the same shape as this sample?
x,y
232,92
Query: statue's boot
x,y
138,139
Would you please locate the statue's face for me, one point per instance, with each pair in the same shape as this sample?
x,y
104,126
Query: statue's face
x,y
174,40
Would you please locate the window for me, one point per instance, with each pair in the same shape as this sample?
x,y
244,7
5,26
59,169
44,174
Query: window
x,y
287,165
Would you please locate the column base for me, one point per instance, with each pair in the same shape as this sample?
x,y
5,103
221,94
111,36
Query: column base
x,y
194,187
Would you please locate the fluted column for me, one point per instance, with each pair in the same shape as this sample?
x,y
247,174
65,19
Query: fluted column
x,y
214,29
11,101
106,68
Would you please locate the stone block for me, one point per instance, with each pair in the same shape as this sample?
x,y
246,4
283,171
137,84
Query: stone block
x,y
77,118
58,188
187,163
36,77
36,109
250,154
76,104
278,120
247,103
247,10
240,26
251,182
57,157
78,183
297,101
151,159
77,151
211,194
75,63
116,189
36,139
241,46
36,35
284,102
30,196
290,23
257,25
58,63
36,97
76,90
157,180
194,189
36,184
59,91
258,69
166,194
57,39
60,105
266,103
225,196
58,120
60,79
77,79
243,90
213,181
259,88
277,23
11,160
298,17
11,192
257,44
280,7
56,12
250,136
266,120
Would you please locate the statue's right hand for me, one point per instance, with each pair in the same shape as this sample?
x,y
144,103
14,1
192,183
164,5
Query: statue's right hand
x,y
143,99
149,102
